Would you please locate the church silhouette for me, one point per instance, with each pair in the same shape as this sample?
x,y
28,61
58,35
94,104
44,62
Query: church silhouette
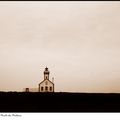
x,y
45,85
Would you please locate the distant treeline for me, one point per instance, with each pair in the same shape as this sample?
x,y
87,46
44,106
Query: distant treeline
x,y
59,102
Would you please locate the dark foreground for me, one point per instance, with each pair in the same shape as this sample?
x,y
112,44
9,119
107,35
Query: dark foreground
x,y
58,102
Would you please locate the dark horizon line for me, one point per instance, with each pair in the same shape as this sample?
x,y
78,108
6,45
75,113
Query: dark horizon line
x,y
59,92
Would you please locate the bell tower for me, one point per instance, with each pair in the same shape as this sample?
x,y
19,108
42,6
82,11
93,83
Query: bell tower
x,y
46,74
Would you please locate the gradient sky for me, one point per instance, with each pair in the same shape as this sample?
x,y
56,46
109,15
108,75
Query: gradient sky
x,y
78,41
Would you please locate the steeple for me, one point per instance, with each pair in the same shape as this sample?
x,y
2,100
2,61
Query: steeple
x,y
46,74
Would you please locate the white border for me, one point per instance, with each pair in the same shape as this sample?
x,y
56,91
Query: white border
x,y
59,116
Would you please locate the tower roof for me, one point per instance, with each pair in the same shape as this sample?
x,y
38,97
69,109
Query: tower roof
x,y
46,70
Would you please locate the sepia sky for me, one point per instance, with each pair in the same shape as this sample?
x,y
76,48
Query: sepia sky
x,y
78,41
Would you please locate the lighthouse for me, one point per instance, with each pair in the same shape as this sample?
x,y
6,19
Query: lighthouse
x,y
46,85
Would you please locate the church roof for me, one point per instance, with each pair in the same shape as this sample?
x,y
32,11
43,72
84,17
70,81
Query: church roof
x,y
47,80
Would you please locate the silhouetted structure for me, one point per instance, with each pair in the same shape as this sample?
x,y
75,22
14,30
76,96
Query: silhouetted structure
x,y
26,89
46,85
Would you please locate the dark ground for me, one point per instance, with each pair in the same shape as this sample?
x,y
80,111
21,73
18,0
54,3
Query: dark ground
x,y
58,102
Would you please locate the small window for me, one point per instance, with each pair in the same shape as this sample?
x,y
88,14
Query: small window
x,y
50,88
46,88
46,77
41,88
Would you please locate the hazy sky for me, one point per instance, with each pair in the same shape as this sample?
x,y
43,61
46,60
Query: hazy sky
x,y
78,41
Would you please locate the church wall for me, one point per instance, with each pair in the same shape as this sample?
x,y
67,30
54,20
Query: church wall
x,y
47,84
